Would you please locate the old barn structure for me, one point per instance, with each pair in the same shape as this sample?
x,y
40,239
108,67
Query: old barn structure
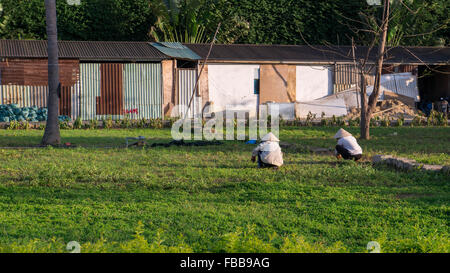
x,y
146,80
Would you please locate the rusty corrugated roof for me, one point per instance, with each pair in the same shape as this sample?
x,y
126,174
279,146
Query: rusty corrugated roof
x,y
318,54
83,50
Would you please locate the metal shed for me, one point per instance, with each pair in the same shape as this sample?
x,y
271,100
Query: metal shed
x,y
98,79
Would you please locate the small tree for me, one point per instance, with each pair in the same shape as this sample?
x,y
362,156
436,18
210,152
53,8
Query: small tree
x,y
367,108
379,37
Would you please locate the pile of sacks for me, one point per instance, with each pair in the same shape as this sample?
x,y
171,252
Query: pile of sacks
x,y
12,112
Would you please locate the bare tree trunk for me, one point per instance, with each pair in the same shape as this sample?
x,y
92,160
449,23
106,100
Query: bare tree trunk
x,y
365,120
365,134
51,134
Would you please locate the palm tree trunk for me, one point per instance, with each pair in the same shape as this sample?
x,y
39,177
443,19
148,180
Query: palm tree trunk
x,y
51,134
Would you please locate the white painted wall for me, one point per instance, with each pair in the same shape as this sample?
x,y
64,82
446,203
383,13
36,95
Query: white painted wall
x,y
232,85
313,82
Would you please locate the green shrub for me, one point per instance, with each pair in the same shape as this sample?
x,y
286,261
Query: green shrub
x,y
417,121
309,119
353,122
385,122
333,120
125,122
64,125
340,121
156,123
142,123
441,119
374,122
323,120
108,123
77,124
92,124
13,125
17,125
400,120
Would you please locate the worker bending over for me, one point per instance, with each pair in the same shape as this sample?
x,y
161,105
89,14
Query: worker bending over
x,y
347,146
268,152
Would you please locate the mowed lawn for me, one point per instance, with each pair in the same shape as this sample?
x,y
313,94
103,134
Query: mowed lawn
x,y
213,199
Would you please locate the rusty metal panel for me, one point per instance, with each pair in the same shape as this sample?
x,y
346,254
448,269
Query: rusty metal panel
x,y
186,84
89,90
34,72
390,68
65,101
24,96
142,92
110,89
28,96
110,101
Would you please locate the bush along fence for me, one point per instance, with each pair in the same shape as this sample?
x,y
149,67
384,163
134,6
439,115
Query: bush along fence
x,y
434,119
14,117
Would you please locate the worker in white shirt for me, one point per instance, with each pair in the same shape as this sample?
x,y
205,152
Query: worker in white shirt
x,y
268,152
347,147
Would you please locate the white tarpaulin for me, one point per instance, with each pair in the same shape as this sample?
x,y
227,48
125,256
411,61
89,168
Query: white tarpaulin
x,y
338,104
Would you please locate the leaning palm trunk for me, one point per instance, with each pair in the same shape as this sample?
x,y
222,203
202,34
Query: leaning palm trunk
x,y
51,134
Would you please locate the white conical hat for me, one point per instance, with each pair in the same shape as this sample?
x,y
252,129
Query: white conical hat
x,y
342,133
270,137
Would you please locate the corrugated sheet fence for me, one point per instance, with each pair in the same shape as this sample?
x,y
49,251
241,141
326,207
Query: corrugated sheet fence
x,y
186,83
89,90
347,76
142,90
107,89
27,96
116,90
23,95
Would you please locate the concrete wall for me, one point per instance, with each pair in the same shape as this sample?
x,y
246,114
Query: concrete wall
x,y
233,85
313,82
168,85
203,87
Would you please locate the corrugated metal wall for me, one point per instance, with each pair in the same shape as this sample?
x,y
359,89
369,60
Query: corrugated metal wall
x,y
23,95
390,69
89,90
186,84
110,101
24,82
401,83
347,76
27,96
117,89
142,90
101,90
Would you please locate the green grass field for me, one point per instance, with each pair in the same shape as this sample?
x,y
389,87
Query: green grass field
x,y
213,199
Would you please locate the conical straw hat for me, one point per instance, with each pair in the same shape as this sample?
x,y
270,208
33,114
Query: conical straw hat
x,y
342,133
270,137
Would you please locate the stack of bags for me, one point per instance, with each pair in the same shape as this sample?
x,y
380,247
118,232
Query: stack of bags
x,y
12,112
